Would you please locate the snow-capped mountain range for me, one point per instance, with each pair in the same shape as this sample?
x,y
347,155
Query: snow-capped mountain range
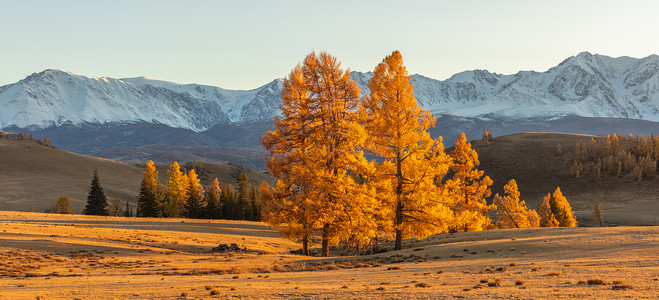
x,y
585,85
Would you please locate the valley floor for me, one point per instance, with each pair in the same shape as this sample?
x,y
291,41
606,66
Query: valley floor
x,y
85,257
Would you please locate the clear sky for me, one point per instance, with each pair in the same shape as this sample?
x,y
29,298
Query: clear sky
x,y
242,44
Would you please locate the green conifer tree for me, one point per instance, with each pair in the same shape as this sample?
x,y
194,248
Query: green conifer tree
x,y
254,203
97,203
149,197
229,202
129,211
213,204
244,209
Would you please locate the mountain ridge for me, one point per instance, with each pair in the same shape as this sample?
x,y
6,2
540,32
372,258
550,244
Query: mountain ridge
x,y
587,85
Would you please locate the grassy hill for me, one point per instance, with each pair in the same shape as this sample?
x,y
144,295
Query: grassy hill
x,y
532,160
33,176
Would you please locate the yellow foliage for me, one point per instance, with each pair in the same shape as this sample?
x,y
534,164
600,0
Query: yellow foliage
x,y
511,211
313,150
547,218
412,162
562,209
469,189
176,191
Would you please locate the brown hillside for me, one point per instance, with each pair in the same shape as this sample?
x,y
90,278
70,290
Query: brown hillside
x,y
33,176
532,160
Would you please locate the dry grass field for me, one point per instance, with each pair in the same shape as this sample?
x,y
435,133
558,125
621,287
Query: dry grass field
x,y
47,256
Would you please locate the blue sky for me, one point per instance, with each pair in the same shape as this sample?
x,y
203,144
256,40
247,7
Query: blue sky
x,y
244,44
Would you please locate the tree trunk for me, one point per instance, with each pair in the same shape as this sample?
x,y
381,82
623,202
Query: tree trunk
x,y
399,204
399,233
305,245
325,249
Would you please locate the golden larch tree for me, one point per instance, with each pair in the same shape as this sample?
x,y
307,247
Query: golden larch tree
x,y
313,146
176,191
511,211
547,218
469,189
412,162
195,206
562,209
288,213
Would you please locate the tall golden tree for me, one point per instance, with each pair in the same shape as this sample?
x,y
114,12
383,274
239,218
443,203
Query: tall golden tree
x,y
195,206
511,211
413,162
176,191
313,145
469,188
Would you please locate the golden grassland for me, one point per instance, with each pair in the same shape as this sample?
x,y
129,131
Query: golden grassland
x,y
88,257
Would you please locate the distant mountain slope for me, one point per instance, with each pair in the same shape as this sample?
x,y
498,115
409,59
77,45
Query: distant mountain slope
x,y
33,176
585,85
532,160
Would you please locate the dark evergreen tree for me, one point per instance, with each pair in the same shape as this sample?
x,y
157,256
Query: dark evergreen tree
x,y
149,198
97,203
228,202
214,206
129,211
244,209
254,203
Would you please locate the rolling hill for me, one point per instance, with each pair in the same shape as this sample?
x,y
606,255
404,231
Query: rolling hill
x,y
33,176
531,159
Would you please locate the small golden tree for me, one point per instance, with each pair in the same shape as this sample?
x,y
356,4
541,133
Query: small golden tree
x,y
63,205
562,210
511,211
468,189
547,218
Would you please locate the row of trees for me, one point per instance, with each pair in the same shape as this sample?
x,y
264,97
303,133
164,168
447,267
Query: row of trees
x,y
326,185
615,156
511,211
184,196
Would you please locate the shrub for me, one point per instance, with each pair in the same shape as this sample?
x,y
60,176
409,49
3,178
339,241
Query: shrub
x,y
496,282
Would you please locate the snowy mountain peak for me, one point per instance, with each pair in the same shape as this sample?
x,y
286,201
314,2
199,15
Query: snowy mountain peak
x,y
588,85
55,97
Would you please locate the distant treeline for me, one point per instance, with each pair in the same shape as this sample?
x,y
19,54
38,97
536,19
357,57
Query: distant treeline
x,y
615,155
183,196
22,136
